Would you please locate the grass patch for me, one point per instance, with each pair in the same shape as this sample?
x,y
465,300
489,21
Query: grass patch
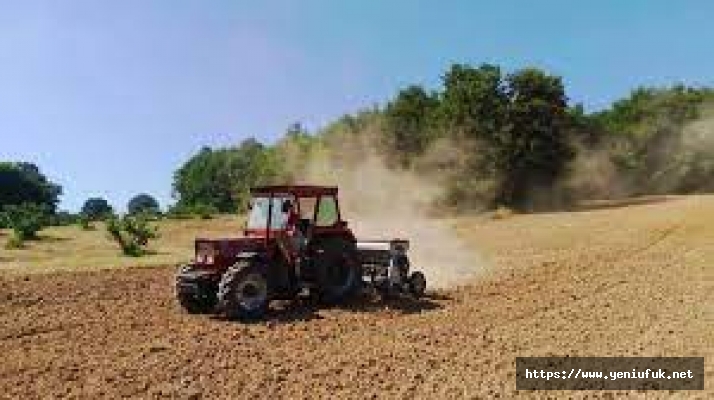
x,y
14,242
68,248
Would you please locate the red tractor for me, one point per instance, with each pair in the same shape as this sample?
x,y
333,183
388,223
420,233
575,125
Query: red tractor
x,y
295,240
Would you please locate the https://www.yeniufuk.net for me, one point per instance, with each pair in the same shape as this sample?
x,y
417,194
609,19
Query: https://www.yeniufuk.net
x,y
611,375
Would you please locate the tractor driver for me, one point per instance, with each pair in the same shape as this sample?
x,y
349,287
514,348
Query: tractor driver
x,y
291,227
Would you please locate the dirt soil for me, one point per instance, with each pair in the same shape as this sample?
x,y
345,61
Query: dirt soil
x,y
635,280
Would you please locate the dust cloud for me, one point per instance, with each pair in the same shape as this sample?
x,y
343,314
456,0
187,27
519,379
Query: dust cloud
x,y
673,160
383,203
697,143
594,175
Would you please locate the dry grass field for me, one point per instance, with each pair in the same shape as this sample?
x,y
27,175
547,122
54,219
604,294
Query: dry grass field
x,y
635,280
70,248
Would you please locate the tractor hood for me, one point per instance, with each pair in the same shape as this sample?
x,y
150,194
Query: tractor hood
x,y
223,252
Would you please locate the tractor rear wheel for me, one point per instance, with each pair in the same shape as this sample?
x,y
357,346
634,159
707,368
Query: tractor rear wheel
x,y
243,291
338,269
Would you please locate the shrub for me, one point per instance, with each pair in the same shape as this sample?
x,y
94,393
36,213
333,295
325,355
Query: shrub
x,y
25,220
132,233
502,212
61,218
14,242
204,211
85,222
178,214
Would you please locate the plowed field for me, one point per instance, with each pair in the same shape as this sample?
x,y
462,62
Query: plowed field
x,y
622,281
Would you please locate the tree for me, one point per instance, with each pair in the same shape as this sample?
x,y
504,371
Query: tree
x,y
533,149
97,208
294,152
221,178
474,102
409,123
22,182
472,113
518,124
143,203
584,127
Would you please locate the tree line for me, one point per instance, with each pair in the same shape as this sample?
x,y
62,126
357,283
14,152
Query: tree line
x,y
490,138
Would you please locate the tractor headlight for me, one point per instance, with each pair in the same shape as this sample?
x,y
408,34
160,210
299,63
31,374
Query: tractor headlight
x,y
206,253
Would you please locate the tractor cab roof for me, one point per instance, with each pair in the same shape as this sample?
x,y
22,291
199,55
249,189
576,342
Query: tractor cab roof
x,y
296,190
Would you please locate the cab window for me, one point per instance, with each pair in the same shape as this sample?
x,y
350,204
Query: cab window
x,y
307,207
258,215
326,211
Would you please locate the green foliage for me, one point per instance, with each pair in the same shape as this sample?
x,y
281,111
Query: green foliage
x,y
22,182
410,127
474,101
533,150
143,203
25,220
85,223
204,211
182,211
514,133
221,178
650,140
519,125
178,212
132,233
62,218
646,109
14,242
290,154
489,138
97,208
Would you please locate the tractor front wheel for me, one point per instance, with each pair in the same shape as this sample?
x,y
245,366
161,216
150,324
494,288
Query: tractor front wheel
x,y
196,296
243,291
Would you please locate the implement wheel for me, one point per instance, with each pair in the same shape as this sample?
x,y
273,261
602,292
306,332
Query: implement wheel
x,y
417,284
338,269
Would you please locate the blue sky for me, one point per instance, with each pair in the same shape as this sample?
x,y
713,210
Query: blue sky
x,y
109,97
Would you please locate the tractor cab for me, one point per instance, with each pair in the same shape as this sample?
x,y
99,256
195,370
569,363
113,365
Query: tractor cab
x,y
309,211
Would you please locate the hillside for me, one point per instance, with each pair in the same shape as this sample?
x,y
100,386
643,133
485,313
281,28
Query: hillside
x,y
619,281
